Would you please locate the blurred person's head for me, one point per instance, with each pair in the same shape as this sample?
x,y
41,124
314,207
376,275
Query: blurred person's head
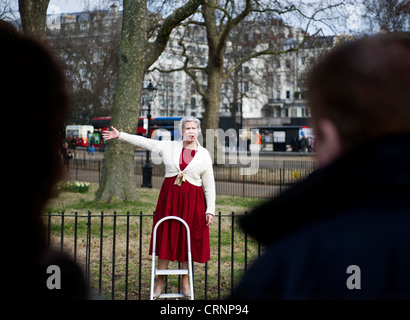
x,y
359,91
34,103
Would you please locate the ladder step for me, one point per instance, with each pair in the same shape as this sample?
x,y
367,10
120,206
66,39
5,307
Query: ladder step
x,y
170,271
171,295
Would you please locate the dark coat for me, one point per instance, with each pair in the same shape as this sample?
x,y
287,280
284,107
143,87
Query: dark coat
x,y
354,212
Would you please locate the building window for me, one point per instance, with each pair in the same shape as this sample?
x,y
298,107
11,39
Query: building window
x,y
246,86
171,102
178,88
287,94
179,103
86,85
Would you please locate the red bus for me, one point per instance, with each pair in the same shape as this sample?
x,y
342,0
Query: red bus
x,y
102,123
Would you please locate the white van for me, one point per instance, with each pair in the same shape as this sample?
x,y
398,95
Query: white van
x,y
80,133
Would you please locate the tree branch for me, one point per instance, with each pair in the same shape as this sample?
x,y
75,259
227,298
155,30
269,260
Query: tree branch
x,y
267,52
231,24
278,52
157,47
188,70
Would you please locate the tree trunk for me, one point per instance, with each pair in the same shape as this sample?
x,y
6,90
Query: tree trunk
x,y
118,179
136,55
212,94
234,107
33,15
212,99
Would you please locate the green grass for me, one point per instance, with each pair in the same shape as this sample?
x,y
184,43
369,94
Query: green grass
x,y
147,199
81,203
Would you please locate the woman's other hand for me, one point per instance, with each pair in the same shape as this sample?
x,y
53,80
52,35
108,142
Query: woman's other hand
x,y
108,135
209,218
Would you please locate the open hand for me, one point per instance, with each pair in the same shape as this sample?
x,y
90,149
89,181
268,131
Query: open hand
x,y
209,218
114,134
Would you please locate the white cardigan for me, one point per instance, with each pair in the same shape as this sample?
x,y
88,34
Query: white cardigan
x,y
198,172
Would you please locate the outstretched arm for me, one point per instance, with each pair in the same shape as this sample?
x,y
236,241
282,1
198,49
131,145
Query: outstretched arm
x,y
108,135
142,142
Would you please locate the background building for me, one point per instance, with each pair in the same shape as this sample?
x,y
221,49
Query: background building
x,y
267,90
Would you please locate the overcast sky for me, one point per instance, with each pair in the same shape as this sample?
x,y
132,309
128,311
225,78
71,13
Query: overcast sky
x,y
67,6
70,6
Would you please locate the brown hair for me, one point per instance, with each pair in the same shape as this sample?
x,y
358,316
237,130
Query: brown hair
x,y
363,86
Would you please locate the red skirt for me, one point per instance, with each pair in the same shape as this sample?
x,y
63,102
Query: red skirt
x,y
187,202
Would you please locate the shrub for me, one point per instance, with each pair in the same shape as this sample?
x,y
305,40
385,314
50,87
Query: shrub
x,y
74,186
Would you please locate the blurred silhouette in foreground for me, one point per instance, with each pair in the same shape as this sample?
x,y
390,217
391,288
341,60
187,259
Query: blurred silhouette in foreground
x,y
343,233
34,101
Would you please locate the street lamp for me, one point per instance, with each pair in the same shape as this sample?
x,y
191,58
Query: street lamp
x,y
149,95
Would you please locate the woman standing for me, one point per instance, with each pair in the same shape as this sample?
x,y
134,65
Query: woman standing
x,y
188,192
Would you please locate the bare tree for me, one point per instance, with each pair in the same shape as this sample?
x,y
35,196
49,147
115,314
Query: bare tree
x,y
89,49
223,20
388,15
142,42
8,10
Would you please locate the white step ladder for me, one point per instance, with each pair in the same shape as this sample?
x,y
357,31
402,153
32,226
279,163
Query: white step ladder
x,y
155,271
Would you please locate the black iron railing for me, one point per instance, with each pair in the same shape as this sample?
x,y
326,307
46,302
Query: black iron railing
x,y
113,248
229,180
